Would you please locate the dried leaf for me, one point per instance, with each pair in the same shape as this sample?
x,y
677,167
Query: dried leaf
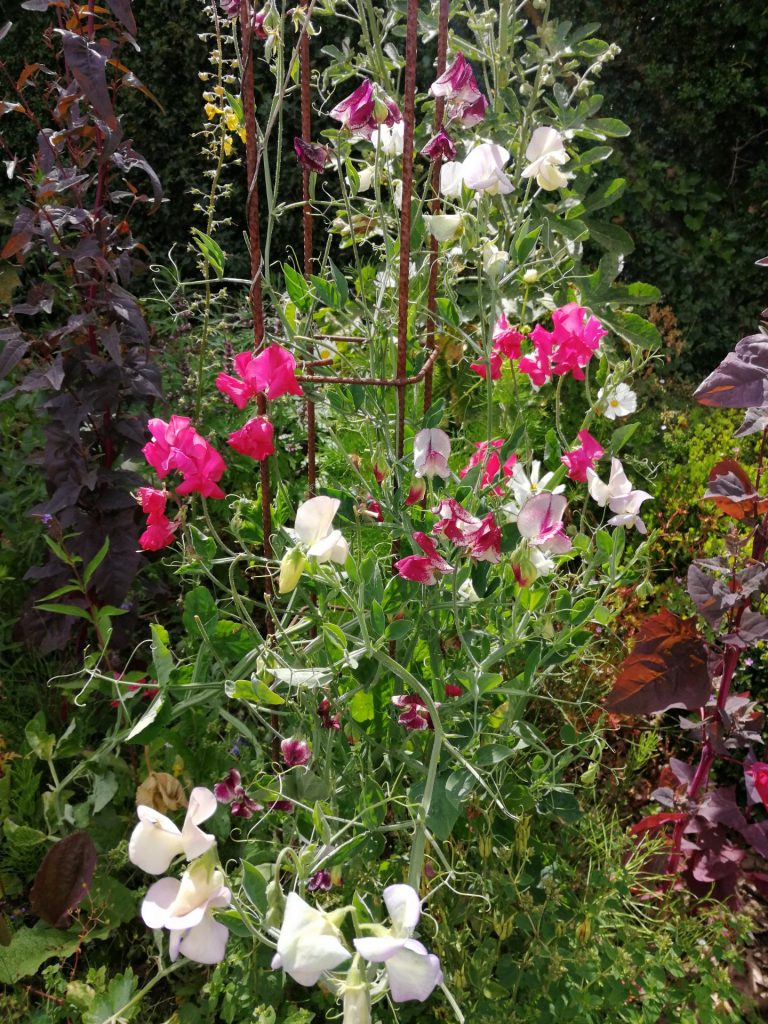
x,y
63,879
162,792
666,669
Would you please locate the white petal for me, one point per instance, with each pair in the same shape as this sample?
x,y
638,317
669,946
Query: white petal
x,y
202,805
322,548
404,906
413,973
550,178
160,896
378,948
452,178
314,518
629,502
154,842
313,954
444,227
206,942
174,946
340,551
543,142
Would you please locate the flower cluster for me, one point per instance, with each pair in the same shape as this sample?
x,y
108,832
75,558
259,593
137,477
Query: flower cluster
x,y
183,906
567,348
176,445
506,342
310,944
366,109
160,529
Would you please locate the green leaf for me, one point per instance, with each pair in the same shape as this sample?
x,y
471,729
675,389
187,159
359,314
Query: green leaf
x,y
199,604
31,947
610,236
594,155
114,1001
96,561
361,707
148,717
210,250
611,127
162,658
492,754
621,437
341,283
633,328
605,194
65,609
255,881
40,742
104,788
398,628
297,288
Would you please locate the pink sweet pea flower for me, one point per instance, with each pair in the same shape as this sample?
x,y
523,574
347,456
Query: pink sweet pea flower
x,y
415,716
506,339
166,437
356,111
295,752
440,147
272,372
158,534
255,439
492,463
452,690
311,155
423,568
577,337
493,363
458,87
455,522
540,521
152,502
473,113
201,466
757,775
538,366
582,457
431,448
485,542
327,720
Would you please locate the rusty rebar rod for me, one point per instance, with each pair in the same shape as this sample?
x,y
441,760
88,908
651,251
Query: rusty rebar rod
x,y
305,72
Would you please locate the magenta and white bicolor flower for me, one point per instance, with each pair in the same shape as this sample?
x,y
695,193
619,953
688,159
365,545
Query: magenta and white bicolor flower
x,y
423,568
184,908
309,942
523,485
295,751
546,153
540,521
412,971
314,528
483,169
458,87
431,450
156,840
440,147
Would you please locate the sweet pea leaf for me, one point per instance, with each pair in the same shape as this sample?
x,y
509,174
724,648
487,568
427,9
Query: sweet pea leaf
x,y
667,668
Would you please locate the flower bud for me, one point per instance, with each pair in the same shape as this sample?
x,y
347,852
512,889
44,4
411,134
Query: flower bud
x,y
356,994
530,276
291,568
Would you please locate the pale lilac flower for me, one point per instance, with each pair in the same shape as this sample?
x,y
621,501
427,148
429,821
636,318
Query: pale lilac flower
x,y
524,485
184,908
412,972
619,496
540,521
445,227
431,449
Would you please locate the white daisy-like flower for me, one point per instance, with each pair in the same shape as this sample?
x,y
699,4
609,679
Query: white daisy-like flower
x,y
618,401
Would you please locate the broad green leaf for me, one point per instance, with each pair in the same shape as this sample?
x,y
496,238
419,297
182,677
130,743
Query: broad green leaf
x,y
96,561
255,881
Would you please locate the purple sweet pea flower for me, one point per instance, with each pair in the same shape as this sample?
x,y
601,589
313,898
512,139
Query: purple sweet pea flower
x,y
440,147
295,752
321,881
231,791
311,155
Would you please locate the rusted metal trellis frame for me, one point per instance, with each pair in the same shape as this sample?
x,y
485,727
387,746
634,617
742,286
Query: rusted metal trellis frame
x,y
401,382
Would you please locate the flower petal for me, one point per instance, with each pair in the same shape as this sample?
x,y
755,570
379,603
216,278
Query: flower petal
x,y
154,842
314,518
202,804
404,906
378,948
413,973
160,896
206,942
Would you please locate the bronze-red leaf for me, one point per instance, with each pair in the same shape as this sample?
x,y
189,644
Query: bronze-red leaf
x,y
63,879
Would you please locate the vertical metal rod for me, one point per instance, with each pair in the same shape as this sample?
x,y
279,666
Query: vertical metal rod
x,y
306,134
411,40
442,49
254,240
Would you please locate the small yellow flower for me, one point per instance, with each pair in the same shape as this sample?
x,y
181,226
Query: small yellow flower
x,y
219,90
241,133
227,145
211,110
232,121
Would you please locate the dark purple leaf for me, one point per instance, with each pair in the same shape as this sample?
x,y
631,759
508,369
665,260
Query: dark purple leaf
x,y
719,807
127,159
88,63
739,381
753,627
39,300
667,668
664,796
732,491
14,350
683,772
63,879
711,596
123,11
755,421
757,837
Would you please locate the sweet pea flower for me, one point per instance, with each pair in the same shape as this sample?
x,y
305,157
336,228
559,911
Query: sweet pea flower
x,y
627,507
440,147
452,179
486,454
618,401
231,791
423,568
757,775
507,339
161,451
327,720
255,439
295,752
271,372
524,486
411,970
311,155
444,227
184,908
155,841
458,87
582,457
389,139
321,881
415,716
309,942
152,503
158,534
528,563
431,449
495,259
540,521
356,111
201,466
537,366
474,113
455,522
483,169
416,491
314,528
619,496
546,152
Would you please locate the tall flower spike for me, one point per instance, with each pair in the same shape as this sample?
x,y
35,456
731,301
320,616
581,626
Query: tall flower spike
x,y
156,840
412,971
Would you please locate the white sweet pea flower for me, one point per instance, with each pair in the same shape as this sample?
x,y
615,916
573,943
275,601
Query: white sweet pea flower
x,y
397,194
452,179
389,140
364,177
523,486
628,509
547,154
309,942
618,485
412,971
484,169
618,401
184,908
444,226
156,840
431,448
494,259
313,527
